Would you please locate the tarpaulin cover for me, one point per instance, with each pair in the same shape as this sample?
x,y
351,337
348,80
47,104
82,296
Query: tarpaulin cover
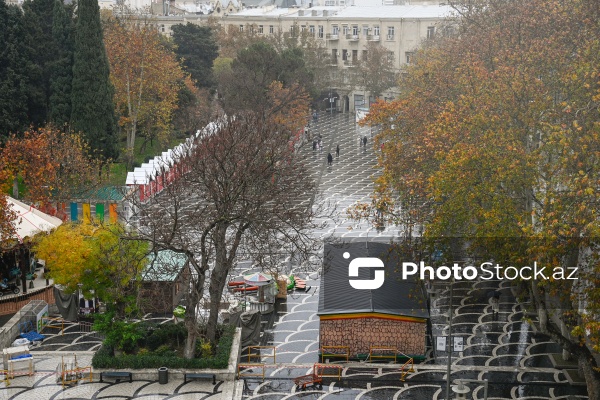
x,y
67,304
250,323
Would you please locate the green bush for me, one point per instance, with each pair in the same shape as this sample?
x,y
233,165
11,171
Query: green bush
x,y
104,357
167,333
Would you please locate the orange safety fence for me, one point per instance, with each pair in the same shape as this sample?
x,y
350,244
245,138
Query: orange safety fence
x,y
383,353
243,367
53,323
407,367
321,370
259,354
335,351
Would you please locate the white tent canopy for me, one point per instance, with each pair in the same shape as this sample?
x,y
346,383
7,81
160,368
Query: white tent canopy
x,y
30,221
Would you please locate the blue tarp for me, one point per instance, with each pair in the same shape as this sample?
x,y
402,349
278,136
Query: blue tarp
x,y
32,336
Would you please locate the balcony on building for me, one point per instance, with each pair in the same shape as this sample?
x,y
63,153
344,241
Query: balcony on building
x,y
349,63
334,61
351,37
373,38
331,36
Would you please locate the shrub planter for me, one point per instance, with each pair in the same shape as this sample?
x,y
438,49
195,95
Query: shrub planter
x,y
152,374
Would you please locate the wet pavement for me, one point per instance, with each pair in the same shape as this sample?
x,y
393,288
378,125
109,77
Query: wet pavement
x,y
75,343
504,349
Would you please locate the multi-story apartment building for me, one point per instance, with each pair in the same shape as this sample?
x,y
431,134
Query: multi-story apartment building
x,y
343,31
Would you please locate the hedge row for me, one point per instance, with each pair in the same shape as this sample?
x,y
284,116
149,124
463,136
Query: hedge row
x,y
104,357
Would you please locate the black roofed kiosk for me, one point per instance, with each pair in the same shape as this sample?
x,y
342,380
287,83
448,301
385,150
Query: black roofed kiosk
x,y
370,310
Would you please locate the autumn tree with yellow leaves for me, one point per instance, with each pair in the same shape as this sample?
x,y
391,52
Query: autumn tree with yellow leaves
x,y
97,257
147,78
495,138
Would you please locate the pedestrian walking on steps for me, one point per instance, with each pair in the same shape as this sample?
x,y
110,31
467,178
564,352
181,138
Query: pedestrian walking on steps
x,y
364,141
314,144
329,159
337,151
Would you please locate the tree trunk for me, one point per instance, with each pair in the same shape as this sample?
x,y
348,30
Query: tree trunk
x,y
564,330
217,282
592,377
190,319
16,187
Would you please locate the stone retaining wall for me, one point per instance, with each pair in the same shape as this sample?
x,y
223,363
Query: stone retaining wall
x,y
359,334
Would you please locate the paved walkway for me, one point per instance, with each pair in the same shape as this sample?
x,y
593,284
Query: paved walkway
x,y
74,342
505,350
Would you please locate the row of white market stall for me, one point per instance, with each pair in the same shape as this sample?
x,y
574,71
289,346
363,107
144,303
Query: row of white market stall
x,y
152,177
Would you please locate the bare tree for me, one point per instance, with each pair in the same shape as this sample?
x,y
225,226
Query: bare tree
x,y
374,72
239,185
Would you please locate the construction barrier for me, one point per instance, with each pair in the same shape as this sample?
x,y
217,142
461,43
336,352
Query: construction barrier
x,y
407,367
321,370
335,351
53,323
259,354
390,353
243,367
68,372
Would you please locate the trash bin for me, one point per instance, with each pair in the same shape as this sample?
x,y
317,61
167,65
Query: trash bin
x,y
163,375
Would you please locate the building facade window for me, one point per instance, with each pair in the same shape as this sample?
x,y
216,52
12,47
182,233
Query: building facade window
x,y
354,56
320,31
241,28
376,30
390,34
345,29
311,29
359,100
365,55
430,32
271,29
334,56
260,29
345,55
409,57
365,30
391,56
335,30
355,30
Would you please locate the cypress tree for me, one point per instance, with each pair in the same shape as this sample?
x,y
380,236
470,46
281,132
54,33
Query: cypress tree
x,y
13,82
61,71
41,52
92,110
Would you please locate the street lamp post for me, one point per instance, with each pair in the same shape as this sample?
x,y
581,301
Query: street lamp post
x,y
79,293
449,344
